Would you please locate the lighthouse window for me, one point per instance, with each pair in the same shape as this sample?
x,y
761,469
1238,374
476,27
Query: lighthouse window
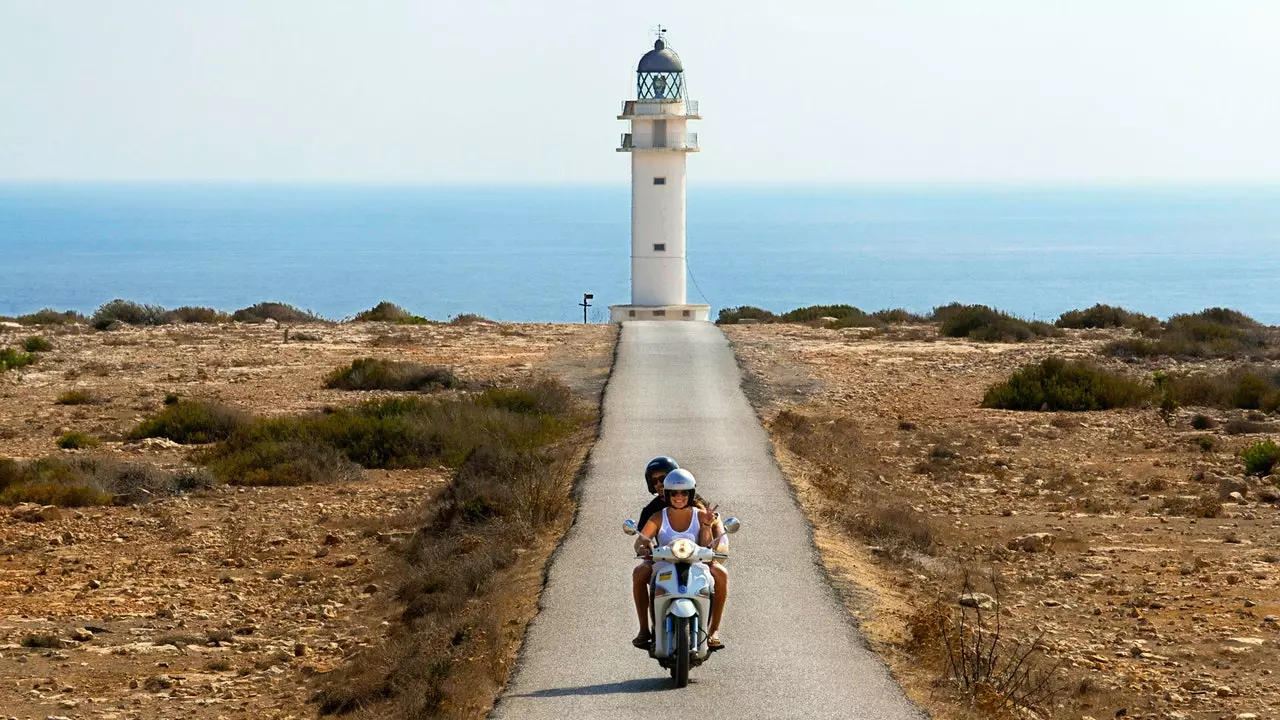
x,y
659,247
660,181
659,313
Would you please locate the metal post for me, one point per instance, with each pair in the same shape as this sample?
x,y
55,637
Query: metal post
x,y
585,305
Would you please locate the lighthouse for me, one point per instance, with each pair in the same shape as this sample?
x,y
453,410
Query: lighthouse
x,y
659,143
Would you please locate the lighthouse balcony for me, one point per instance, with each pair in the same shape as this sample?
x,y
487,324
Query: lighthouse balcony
x,y
646,109
679,143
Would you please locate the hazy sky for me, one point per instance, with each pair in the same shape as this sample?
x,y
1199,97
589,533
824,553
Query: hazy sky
x,y
526,91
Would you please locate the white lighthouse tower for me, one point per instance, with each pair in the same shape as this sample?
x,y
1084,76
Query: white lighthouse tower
x,y
659,143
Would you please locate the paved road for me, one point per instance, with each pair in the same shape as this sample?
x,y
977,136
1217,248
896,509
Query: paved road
x,y
790,649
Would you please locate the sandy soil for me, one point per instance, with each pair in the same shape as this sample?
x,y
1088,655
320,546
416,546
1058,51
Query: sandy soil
x,y
1161,614
220,603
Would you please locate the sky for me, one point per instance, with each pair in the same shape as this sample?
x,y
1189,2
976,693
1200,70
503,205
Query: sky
x,y
524,92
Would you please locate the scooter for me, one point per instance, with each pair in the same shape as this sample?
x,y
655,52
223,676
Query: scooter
x,y
680,601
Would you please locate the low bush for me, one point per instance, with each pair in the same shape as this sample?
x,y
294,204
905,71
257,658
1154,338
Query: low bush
x,y
11,359
468,319
191,422
1206,443
278,312
735,315
390,312
191,314
898,316
1205,506
129,313
979,322
1261,458
77,397
84,481
1202,422
49,316
1242,426
1245,388
1055,384
378,374
36,343
1107,316
840,316
1215,332
77,440
284,463
43,642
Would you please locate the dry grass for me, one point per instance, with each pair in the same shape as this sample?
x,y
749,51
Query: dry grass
x,y
507,491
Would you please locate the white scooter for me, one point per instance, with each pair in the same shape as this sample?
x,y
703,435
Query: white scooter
x,y
680,601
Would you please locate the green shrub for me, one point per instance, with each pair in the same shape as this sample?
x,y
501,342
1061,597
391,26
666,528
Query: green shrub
x,y
735,315
1245,388
1107,316
1215,332
1260,458
77,397
191,422
83,481
377,374
843,315
1205,443
49,316
77,440
285,464
979,322
11,359
390,312
400,432
1055,384
35,344
191,314
1201,422
468,319
278,312
129,313
898,316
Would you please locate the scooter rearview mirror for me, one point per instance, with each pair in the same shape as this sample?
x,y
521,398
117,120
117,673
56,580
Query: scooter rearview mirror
x,y
732,525
629,527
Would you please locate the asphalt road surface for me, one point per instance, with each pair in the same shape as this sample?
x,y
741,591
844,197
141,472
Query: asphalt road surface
x,y
790,649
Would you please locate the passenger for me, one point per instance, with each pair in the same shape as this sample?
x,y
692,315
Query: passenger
x,y
654,473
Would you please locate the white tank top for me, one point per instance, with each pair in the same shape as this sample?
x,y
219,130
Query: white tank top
x,y
667,535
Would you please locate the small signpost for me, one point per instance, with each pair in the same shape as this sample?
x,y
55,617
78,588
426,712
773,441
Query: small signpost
x,y
585,305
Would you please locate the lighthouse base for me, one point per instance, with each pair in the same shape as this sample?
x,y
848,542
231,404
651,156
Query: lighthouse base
x,y
624,313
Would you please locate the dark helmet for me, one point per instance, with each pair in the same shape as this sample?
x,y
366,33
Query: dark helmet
x,y
660,464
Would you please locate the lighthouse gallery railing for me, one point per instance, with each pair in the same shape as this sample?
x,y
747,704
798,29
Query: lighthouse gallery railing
x,y
672,143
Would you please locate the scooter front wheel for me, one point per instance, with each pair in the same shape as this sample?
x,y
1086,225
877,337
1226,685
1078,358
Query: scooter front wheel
x,y
684,649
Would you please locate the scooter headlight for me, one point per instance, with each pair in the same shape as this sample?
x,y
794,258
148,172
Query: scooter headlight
x,y
683,549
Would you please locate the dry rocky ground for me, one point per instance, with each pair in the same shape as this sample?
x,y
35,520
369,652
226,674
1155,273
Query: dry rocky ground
x,y
1087,519
221,603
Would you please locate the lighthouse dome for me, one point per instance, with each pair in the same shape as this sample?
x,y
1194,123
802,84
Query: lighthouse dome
x,y
661,59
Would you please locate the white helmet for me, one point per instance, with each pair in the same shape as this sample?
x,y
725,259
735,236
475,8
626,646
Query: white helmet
x,y
679,479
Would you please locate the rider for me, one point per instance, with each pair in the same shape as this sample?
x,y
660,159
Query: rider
x,y
654,473
685,517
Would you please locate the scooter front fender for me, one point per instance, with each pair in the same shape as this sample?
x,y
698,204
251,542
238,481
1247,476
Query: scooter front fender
x,y
683,607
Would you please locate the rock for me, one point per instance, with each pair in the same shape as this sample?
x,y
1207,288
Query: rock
x,y
982,601
332,540
156,683
1237,498
300,649
1228,485
93,584
33,513
322,552
157,443
1225,691
370,589
1246,641
1033,543
346,561
81,635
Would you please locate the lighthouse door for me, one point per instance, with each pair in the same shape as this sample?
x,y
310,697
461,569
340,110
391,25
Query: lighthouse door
x,y
659,133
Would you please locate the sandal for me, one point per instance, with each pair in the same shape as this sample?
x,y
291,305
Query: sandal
x,y
713,644
643,640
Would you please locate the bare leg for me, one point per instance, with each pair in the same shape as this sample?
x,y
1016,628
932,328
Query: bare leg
x,y
640,593
722,593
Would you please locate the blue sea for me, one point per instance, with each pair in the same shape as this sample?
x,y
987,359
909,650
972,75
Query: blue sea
x,y
529,253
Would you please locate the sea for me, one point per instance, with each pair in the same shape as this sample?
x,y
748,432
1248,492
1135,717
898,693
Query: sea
x,y
514,253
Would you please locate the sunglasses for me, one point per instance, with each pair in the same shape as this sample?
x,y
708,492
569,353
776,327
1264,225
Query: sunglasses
x,y
679,492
